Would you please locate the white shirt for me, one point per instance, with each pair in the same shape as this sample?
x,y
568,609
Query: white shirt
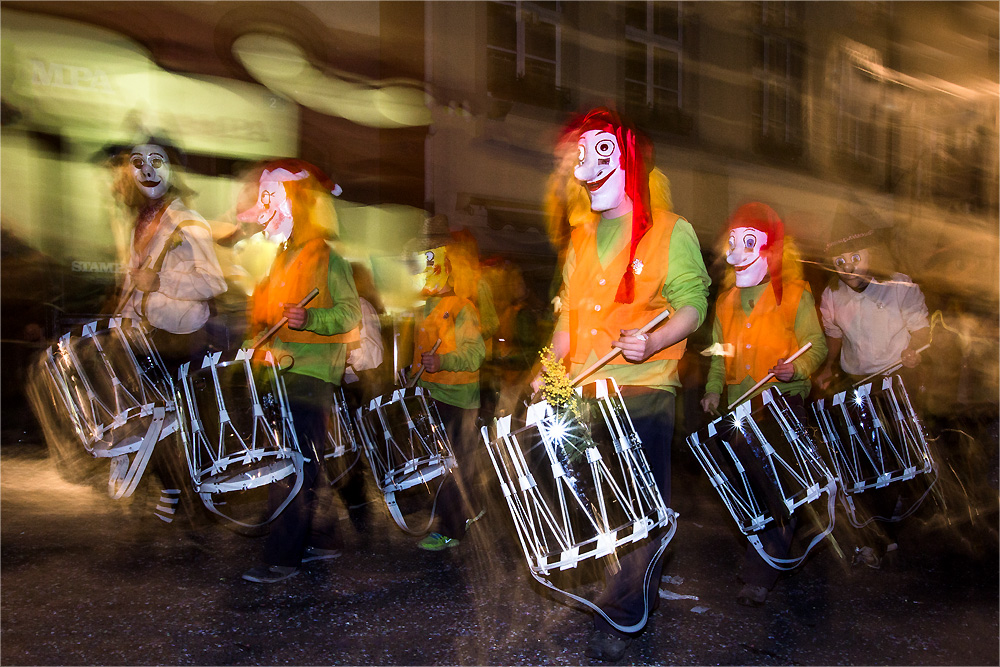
x,y
874,324
189,278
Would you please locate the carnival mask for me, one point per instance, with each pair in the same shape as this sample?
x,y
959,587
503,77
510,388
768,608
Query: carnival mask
x,y
436,273
744,255
599,169
853,268
150,169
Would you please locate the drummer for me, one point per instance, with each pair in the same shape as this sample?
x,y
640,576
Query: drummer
x,y
295,209
764,313
449,347
873,319
627,257
173,276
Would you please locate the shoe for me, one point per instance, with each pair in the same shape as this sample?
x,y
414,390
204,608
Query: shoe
x,y
469,522
866,556
751,596
605,646
437,542
315,553
269,574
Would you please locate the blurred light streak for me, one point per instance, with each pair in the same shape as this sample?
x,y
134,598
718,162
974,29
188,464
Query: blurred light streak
x,y
282,66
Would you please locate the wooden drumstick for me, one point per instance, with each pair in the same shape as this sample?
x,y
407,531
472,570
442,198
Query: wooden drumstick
x,y
413,381
769,376
616,350
284,320
891,368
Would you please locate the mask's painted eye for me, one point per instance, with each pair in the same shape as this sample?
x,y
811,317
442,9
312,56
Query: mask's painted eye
x,y
605,147
581,153
840,262
855,258
732,244
749,242
265,198
157,162
137,162
429,256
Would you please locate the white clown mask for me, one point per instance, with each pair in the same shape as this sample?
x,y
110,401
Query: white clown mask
x,y
600,170
150,169
744,255
273,209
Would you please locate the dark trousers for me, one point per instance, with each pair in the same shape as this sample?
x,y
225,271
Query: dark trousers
x,y
624,598
310,400
459,498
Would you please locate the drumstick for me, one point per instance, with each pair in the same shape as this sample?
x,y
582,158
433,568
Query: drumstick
x,y
413,381
891,368
131,290
617,350
284,320
769,376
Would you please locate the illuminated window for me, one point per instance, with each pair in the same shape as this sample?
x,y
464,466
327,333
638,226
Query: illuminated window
x,y
778,79
524,51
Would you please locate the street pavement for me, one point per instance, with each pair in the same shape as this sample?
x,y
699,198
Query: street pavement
x,y
84,580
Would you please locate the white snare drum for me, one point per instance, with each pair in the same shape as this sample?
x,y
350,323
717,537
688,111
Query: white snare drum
x,y
116,393
874,439
341,452
238,433
576,491
405,443
765,466
578,488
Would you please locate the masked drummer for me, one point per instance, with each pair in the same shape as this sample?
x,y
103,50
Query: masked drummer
x,y
764,313
173,275
627,257
450,373
873,319
295,209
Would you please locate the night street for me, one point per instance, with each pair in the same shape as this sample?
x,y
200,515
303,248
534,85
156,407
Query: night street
x,y
80,586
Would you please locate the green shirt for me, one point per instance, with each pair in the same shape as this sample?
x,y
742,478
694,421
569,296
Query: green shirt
x,y
468,355
807,330
326,361
685,284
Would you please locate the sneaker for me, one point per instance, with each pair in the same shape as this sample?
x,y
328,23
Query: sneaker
x,y
437,542
751,596
315,553
866,556
605,646
269,574
469,522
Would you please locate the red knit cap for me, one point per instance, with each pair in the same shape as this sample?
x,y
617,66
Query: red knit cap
x,y
637,153
763,218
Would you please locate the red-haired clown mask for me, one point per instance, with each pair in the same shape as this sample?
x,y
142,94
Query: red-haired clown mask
x,y
599,169
150,168
273,210
744,255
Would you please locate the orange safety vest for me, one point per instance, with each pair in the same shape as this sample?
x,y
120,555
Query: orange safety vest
x,y
440,324
294,273
595,320
762,337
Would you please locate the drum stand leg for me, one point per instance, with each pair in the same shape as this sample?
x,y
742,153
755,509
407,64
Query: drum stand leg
x,y
125,476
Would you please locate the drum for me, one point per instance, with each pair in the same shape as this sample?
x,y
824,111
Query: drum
x,y
342,452
405,443
112,387
873,438
238,433
577,489
765,465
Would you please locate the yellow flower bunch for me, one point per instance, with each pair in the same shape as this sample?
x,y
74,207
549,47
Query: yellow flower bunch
x,y
556,388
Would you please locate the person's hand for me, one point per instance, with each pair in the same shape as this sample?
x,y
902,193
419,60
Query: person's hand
x,y
146,280
710,402
910,358
431,361
536,384
296,315
824,377
783,371
634,345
